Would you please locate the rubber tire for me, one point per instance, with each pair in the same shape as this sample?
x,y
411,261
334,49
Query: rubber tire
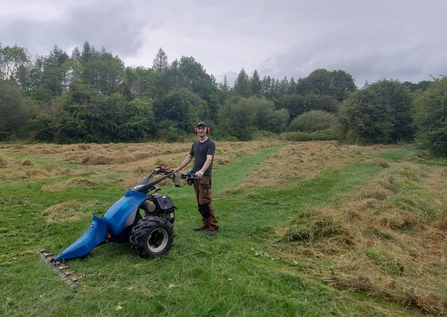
x,y
151,237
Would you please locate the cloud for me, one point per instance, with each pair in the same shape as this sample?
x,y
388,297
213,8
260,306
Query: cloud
x,y
368,52
114,26
370,40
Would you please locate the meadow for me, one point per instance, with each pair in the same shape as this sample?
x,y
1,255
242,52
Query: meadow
x,y
307,229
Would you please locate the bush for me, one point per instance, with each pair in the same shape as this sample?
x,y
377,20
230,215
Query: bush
x,y
295,136
430,118
380,113
313,120
320,135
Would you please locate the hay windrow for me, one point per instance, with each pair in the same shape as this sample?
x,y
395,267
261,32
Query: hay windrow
x,y
68,211
386,238
133,161
304,161
73,182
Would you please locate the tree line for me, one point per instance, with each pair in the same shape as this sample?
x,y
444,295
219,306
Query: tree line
x,y
91,96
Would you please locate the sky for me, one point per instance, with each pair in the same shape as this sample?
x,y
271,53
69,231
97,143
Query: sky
x,y
403,40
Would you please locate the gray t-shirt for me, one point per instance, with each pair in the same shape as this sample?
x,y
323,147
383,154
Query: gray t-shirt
x,y
200,150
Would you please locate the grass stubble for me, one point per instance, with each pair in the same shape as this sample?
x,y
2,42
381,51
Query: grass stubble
x,y
312,228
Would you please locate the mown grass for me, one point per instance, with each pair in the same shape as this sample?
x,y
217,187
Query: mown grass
x,y
307,229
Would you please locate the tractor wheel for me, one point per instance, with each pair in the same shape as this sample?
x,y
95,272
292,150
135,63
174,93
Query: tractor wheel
x,y
151,236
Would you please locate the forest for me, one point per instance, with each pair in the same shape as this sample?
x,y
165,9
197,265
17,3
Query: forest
x,y
90,96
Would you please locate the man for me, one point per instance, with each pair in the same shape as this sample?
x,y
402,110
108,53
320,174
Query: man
x,y
202,151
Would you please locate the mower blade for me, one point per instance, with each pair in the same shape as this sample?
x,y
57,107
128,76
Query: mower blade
x,y
60,268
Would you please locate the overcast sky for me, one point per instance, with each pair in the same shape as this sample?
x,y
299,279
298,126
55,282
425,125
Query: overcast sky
x,y
404,40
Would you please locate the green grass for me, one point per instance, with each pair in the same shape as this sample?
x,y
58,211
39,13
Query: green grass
x,y
235,273
232,175
397,154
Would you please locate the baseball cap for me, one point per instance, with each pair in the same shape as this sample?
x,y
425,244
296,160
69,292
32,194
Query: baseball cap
x,y
201,124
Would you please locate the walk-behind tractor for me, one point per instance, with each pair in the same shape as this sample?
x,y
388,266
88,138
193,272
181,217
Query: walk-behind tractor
x,y
150,235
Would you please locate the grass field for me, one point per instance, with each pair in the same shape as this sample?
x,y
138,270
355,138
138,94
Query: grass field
x,y
307,229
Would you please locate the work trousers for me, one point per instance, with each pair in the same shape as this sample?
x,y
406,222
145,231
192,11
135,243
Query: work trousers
x,y
204,197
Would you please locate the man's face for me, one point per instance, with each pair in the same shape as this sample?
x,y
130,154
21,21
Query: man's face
x,y
201,130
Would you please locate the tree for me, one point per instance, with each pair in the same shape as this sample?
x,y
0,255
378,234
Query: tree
x,y
283,86
141,123
237,118
125,121
54,78
84,116
275,90
255,84
422,85
242,85
320,102
180,106
141,82
173,79
224,90
76,54
72,73
294,104
87,52
15,63
343,84
364,119
160,63
431,118
190,75
279,120
211,109
103,71
292,87
322,82
400,101
379,113
266,86
267,117
318,82
51,75
15,110
196,79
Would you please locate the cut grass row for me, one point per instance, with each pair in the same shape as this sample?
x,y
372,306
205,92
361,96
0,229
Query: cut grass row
x,y
240,272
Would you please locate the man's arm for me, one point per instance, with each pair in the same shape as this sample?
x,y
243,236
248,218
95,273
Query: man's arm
x,y
185,162
209,159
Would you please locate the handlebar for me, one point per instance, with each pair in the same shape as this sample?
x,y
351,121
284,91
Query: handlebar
x,y
189,176
145,185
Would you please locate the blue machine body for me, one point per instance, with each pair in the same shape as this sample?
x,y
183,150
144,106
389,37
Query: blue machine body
x,y
113,222
118,213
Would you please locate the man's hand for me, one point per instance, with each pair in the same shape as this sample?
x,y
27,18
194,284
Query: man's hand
x,y
175,170
199,174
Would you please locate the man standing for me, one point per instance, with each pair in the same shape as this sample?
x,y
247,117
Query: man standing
x,y
202,151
